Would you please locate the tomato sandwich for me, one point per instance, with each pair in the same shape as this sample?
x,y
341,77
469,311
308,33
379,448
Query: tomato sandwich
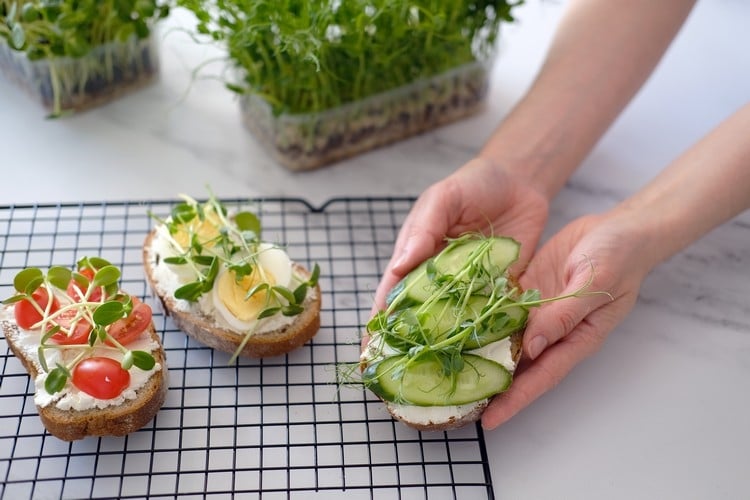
x,y
225,286
97,363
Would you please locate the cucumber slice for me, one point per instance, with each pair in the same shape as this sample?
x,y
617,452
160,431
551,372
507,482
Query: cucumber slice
x,y
501,325
433,323
423,382
428,324
496,254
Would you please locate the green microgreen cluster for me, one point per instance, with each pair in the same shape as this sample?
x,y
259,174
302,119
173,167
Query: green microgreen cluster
x,y
112,306
467,308
218,239
54,30
203,255
305,56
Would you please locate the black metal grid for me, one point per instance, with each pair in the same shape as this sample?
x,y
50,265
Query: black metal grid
x,y
278,427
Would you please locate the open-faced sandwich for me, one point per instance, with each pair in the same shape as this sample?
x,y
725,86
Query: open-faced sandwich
x,y
97,363
225,286
450,336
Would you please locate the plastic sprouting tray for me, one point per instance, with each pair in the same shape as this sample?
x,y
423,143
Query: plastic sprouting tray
x,y
64,84
273,428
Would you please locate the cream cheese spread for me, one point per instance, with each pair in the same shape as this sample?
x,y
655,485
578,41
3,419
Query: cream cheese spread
x,y
70,398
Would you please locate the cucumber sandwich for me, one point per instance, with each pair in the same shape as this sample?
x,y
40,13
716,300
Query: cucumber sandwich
x,y
450,336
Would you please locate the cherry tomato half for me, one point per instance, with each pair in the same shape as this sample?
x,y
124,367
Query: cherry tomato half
x,y
100,377
26,314
75,290
128,329
79,335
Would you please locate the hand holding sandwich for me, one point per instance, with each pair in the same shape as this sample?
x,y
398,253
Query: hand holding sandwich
x,y
529,158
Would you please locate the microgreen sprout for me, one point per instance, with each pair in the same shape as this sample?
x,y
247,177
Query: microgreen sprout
x,y
94,304
305,57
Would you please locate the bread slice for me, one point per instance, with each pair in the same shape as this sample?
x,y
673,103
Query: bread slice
x,y
206,330
119,420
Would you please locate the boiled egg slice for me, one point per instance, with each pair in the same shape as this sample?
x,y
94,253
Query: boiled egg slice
x,y
273,266
205,230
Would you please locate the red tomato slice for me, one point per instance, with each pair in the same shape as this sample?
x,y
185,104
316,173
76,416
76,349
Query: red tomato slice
x,y
128,329
101,377
80,334
26,314
75,291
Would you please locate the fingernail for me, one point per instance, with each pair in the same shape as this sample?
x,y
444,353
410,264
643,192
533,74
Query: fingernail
x,y
400,259
537,345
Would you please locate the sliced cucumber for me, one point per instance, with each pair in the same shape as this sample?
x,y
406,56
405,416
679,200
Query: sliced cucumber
x,y
495,254
423,382
445,316
429,324
433,323
501,325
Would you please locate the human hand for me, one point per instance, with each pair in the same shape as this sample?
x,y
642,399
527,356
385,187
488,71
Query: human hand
x,y
477,197
610,253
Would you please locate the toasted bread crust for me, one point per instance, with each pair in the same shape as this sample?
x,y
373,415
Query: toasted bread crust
x,y
205,330
120,420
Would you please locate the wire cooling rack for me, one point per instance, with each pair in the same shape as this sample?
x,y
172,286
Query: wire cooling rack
x,y
275,428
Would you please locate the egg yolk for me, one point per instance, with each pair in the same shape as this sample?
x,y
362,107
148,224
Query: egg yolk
x,y
206,230
233,293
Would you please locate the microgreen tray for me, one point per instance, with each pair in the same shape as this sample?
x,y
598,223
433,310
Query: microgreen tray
x,y
74,84
309,141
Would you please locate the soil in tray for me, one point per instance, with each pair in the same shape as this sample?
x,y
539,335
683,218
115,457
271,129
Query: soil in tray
x,y
77,84
304,142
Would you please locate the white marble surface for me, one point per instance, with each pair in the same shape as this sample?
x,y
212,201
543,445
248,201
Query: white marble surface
x,y
660,412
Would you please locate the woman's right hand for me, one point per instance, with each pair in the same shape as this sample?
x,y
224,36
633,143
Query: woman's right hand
x,y
479,196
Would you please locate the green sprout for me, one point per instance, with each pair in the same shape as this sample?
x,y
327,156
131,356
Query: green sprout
x,y
74,50
308,56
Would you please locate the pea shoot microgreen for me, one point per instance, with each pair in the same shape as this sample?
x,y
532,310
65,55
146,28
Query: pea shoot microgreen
x,y
206,238
93,305
305,57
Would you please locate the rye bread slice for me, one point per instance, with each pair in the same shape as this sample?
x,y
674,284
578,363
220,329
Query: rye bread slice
x,y
206,330
120,420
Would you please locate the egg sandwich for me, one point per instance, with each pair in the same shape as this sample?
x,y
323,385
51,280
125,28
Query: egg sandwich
x,y
226,287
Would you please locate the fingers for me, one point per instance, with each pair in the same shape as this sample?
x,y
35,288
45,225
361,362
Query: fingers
x,y
540,376
553,321
420,237
417,248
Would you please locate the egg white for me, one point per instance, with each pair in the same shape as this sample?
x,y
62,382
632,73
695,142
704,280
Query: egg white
x,y
272,260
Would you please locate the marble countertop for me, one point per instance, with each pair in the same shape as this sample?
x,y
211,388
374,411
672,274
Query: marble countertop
x,y
660,412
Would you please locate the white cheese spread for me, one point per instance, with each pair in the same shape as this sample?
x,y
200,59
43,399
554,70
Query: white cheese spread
x,y
71,398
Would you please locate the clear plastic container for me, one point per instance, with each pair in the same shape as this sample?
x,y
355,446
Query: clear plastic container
x,y
65,84
308,141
